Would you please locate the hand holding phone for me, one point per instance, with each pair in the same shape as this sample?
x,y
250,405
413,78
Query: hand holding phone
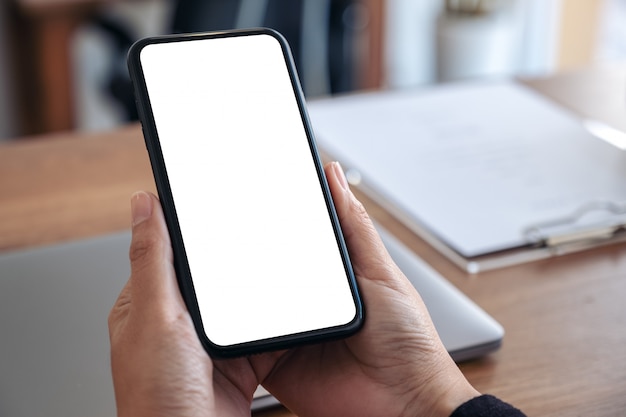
x,y
259,268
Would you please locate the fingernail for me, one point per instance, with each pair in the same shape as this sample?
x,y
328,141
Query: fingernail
x,y
340,175
140,207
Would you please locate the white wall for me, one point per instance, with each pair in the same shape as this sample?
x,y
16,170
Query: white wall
x,y
409,46
541,25
612,36
411,28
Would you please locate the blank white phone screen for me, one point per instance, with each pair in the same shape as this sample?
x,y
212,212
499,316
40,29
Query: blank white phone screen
x,y
259,241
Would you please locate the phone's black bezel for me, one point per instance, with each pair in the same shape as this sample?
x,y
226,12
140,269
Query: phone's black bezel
x,y
183,273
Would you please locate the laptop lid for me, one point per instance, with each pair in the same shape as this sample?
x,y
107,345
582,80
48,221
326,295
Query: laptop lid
x,y
54,305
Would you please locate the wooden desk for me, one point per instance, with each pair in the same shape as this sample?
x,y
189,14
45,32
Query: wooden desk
x,y
564,351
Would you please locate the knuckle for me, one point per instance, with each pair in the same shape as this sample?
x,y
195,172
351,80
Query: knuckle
x,y
142,247
358,210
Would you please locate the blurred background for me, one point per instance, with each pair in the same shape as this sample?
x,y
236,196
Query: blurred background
x,y
63,61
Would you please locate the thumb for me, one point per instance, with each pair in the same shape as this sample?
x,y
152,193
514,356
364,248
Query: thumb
x,y
153,280
367,252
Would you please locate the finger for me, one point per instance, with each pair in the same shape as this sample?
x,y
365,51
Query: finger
x,y
367,251
153,281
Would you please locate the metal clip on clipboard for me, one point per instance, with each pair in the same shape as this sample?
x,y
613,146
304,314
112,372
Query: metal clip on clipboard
x,y
594,223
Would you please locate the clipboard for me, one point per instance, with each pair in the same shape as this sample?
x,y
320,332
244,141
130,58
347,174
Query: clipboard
x,y
488,172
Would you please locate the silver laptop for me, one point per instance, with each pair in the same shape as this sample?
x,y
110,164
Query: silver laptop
x,y
54,303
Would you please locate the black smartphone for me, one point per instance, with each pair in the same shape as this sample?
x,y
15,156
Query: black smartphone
x,y
259,254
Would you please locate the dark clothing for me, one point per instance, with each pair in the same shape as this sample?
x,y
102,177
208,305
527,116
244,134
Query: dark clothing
x,y
486,406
